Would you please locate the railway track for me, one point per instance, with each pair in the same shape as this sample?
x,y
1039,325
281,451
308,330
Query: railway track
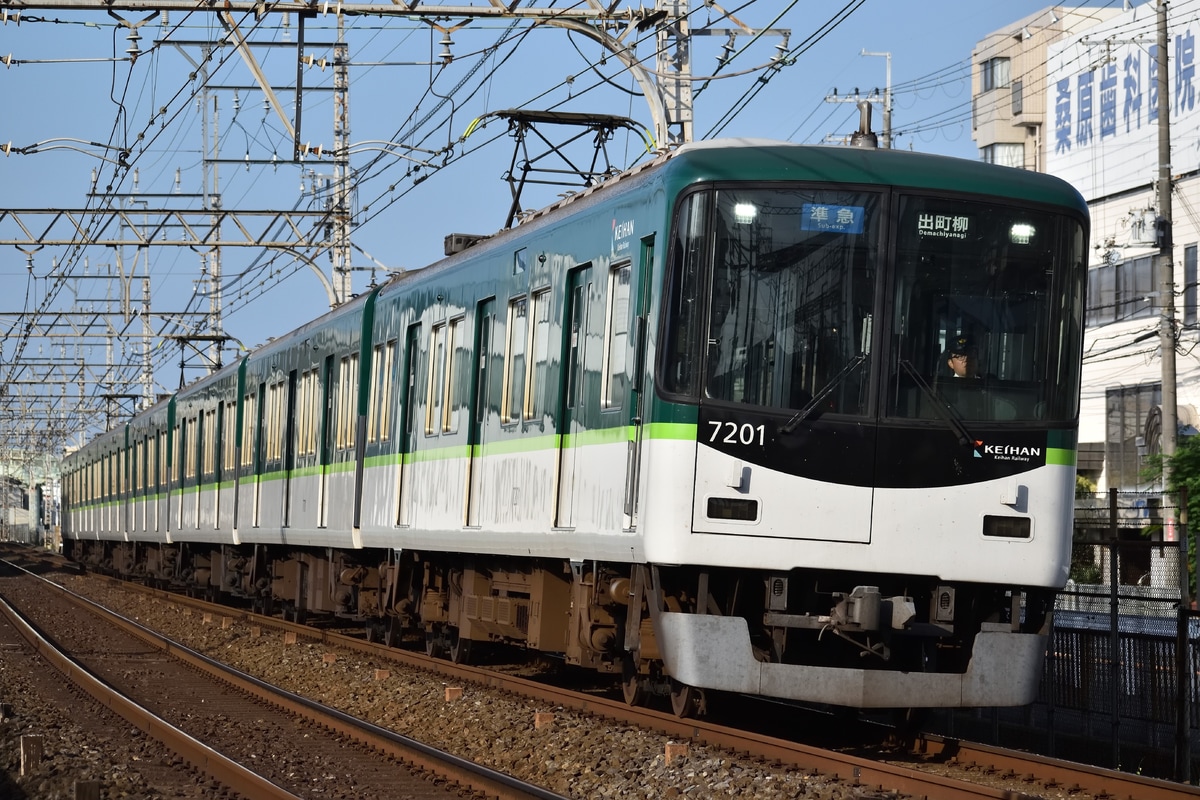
x,y
253,739
934,767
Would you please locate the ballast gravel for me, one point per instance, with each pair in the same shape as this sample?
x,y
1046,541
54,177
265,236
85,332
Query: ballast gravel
x,y
576,755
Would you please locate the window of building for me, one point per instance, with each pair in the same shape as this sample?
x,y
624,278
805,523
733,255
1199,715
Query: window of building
x,y
1117,292
1126,410
1137,289
1006,154
997,73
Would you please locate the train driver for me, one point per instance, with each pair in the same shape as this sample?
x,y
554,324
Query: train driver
x,y
962,358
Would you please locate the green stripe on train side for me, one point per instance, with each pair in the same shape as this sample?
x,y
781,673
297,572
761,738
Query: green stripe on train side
x,y
685,431
676,431
1060,456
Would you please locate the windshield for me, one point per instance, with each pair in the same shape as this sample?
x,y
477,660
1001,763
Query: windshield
x,y
808,300
792,293
986,312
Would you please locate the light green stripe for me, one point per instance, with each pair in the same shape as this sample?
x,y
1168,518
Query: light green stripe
x,y
526,444
1060,456
685,431
599,436
437,454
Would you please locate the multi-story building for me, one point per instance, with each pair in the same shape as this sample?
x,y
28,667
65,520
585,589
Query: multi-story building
x,y
1073,92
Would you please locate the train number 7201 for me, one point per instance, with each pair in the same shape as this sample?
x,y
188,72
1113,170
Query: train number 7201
x,y
733,433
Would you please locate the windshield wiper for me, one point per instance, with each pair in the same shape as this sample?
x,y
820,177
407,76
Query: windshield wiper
x,y
944,410
808,409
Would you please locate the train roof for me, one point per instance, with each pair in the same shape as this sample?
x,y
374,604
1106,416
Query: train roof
x,y
770,160
761,159
749,159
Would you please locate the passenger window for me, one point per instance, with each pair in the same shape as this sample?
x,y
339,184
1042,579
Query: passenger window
x,y
514,361
616,335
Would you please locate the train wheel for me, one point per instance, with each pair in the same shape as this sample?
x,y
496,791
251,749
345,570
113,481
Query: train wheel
x,y
632,685
460,648
686,701
433,644
909,723
392,632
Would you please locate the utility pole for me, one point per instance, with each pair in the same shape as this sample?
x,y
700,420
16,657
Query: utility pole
x,y
674,66
1166,267
873,97
340,249
1172,531
887,100
210,263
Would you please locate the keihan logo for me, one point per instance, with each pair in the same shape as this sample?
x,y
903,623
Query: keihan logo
x,y
622,231
1006,452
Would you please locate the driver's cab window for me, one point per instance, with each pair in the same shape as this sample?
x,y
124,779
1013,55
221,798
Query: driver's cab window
x,y
792,298
979,326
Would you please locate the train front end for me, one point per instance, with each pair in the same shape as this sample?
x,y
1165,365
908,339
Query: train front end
x,y
882,351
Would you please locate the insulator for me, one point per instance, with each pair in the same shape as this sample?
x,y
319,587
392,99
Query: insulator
x,y
133,50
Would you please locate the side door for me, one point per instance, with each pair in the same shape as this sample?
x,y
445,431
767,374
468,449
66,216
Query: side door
x,y
409,433
639,318
480,410
331,427
583,328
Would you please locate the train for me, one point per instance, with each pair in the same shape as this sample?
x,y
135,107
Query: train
x,y
693,427
20,511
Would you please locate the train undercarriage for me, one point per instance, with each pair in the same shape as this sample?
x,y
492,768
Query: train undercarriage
x,y
606,617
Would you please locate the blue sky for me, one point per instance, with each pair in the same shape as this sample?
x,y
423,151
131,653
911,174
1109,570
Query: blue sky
x,y
65,92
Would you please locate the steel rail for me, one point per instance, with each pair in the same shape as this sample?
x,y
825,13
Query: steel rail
x,y
492,783
221,768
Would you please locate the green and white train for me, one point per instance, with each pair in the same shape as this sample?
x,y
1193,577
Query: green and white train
x,y
694,426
